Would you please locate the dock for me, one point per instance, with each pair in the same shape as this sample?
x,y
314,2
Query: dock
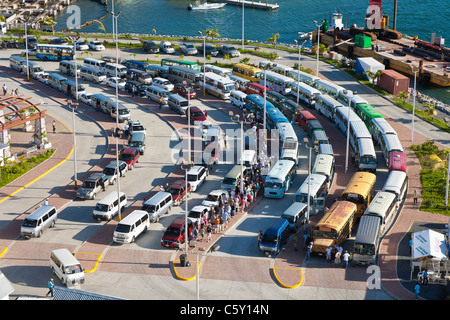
x,y
250,4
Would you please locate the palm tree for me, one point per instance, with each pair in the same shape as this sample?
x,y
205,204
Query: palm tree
x,y
274,38
49,22
100,25
212,33
373,75
430,110
403,96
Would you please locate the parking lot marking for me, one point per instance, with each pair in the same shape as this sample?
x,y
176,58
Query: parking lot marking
x,y
180,277
285,285
3,251
96,263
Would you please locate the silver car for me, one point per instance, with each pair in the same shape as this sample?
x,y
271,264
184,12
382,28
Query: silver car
x,y
188,48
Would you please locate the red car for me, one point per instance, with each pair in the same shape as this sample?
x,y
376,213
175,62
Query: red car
x,y
174,234
183,89
197,115
130,156
178,191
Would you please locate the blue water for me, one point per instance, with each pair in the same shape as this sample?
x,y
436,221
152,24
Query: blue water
x,y
170,17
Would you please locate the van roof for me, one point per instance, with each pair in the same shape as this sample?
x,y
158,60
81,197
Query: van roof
x,y
110,197
178,184
178,222
95,176
39,211
157,198
133,216
367,229
65,256
277,226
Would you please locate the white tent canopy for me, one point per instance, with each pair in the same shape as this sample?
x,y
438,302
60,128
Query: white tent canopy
x,y
428,244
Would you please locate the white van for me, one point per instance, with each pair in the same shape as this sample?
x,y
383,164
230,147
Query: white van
x,y
161,203
249,158
42,218
95,64
237,98
163,83
166,47
89,74
133,225
34,69
178,103
68,67
196,176
154,93
66,267
17,63
110,70
108,207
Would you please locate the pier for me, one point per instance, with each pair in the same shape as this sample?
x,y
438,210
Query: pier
x,y
250,4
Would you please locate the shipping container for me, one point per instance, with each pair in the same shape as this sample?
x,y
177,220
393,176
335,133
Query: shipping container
x,y
393,82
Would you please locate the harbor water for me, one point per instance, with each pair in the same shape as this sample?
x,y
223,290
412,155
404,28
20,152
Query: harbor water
x,y
171,17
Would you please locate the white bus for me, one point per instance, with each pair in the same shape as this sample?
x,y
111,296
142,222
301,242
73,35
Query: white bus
x,y
390,143
397,183
383,205
217,70
365,156
216,85
288,142
282,69
317,192
342,114
328,87
327,106
325,165
178,74
279,179
307,78
379,127
276,82
306,93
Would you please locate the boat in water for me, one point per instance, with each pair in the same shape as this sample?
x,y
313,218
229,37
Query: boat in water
x,y
304,36
206,6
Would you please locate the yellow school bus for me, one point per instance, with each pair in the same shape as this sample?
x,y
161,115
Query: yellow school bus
x,y
247,72
334,227
360,190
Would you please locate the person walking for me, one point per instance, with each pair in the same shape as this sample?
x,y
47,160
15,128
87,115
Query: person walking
x,y
5,89
16,91
160,101
425,277
295,241
345,257
208,232
337,259
51,286
328,252
417,290
309,250
416,196
54,126
225,140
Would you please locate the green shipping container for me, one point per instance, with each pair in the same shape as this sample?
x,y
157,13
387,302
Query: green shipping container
x,y
363,41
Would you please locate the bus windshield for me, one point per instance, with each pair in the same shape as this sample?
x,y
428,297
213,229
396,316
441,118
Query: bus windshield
x,y
364,249
325,234
269,239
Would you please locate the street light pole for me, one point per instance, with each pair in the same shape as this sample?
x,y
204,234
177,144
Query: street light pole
x,y
204,60
414,99
298,78
26,49
74,106
349,96
318,41
242,24
308,205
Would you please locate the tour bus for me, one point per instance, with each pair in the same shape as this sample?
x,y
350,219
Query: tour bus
x,y
367,240
327,87
383,205
159,71
226,73
397,183
55,81
305,93
288,141
354,100
303,117
313,125
247,72
342,114
256,88
276,82
334,227
279,179
390,143
317,192
240,83
365,156
71,88
397,161
54,52
182,63
68,67
274,117
379,127
327,106
17,63
34,69
295,215
95,64
135,64
366,112
360,190
216,85
179,74
281,69
304,77
254,103
288,107
325,165
99,102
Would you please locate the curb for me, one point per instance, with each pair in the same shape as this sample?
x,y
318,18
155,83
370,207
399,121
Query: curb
x,y
285,285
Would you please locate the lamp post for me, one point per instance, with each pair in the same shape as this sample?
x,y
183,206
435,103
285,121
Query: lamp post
x,y
446,188
117,114
264,115
242,24
26,49
299,55
186,166
349,96
415,71
204,60
76,66
74,106
308,204
318,42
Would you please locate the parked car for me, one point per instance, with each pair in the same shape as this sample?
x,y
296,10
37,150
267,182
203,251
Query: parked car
x,y
96,45
214,197
31,41
110,171
59,41
196,176
43,77
188,48
91,186
196,115
173,236
178,191
197,213
183,89
166,47
150,47
85,98
80,45
130,156
230,51
136,126
116,82
139,87
210,50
